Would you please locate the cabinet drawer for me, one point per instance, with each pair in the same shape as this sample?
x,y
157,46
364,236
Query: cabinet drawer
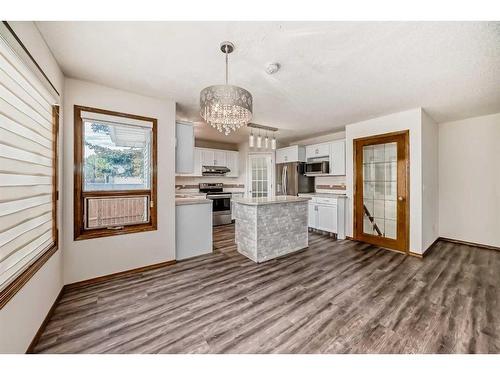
x,y
332,201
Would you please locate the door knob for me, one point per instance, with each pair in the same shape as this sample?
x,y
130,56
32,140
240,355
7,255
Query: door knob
x,y
400,198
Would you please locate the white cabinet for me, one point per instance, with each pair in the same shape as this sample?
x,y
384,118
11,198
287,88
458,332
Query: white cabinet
x,y
323,214
318,151
213,157
220,158
184,148
232,162
337,158
290,154
334,151
197,162
327,218
312,215
207,157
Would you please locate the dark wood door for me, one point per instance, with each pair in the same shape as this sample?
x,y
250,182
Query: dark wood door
x,y
381,193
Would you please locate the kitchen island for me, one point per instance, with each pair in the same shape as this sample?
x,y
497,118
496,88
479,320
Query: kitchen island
x,y
267,228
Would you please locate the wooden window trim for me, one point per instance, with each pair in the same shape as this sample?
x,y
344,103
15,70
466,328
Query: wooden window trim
x,y
16,285
79,232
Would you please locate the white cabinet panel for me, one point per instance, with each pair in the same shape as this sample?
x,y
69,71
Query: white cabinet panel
x,y
184,148
312,215
290,154
197,162
280,156
207,157
327,218
318,151
337,158
232,162
219,158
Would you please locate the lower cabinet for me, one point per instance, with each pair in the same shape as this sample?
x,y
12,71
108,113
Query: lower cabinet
x,y
323,217
312,214
327,218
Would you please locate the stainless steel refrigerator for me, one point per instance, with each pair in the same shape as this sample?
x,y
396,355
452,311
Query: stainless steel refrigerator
x,y
290,179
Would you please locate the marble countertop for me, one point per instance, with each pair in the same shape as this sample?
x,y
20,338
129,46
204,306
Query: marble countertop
x,y
181,199
324,195
270,200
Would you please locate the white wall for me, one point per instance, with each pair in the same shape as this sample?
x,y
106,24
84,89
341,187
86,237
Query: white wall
x,y
430,177
408,120
469,180
96,257
25,312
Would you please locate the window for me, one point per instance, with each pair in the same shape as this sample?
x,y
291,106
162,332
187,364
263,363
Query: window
x,y
28,172
115,173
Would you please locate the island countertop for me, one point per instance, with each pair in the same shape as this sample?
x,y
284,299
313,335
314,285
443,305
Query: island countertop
x,y
270,200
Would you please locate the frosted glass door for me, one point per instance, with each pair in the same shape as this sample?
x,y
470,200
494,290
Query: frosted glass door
x,y
260,176
380,190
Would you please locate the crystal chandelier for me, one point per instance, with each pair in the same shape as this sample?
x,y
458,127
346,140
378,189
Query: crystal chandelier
x,y
226,107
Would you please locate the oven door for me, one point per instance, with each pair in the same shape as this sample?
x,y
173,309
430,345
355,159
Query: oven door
x,y
221,203
221,208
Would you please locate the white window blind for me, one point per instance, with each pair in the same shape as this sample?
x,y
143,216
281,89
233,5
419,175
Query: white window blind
x,y
27,142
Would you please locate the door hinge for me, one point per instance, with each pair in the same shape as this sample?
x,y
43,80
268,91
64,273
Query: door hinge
x,y
151,204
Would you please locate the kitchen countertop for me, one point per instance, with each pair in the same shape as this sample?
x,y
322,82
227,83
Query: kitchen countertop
x,y
181,199
270,200
324,195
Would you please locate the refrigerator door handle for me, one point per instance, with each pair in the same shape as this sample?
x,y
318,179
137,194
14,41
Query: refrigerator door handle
x,y
286,180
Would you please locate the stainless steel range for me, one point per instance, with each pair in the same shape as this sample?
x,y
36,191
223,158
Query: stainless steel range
x,y
221,202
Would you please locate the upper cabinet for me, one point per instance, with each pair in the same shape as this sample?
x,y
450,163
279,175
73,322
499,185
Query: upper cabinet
x,y
291,154
337,158
219,158
233,163
207,157
318,151
333,152
184,148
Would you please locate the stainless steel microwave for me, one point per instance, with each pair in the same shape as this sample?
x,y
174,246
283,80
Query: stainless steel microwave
x,y
317,167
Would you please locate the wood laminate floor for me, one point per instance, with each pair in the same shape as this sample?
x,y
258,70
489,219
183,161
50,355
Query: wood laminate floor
x,y
335,297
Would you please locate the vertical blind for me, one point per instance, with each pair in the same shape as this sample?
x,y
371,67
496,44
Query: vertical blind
x,y
27,157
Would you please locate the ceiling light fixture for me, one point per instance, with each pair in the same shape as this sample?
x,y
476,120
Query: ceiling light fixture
x,y
257,141
226,107
273,143
251,139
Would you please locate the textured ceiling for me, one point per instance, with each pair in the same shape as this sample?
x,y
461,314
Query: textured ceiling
x,y
333,73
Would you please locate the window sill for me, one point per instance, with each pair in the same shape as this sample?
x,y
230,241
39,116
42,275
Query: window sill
x,y
98,233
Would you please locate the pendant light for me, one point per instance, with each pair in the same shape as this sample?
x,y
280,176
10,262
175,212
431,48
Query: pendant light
x,y
273,143
251,139
226,107
266,141
259,140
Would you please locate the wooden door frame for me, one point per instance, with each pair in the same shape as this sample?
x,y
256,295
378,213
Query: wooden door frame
x,y
402,245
